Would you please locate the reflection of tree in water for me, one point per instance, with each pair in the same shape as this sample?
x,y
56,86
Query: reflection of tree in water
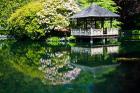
x,y
18,67
57,68
25,57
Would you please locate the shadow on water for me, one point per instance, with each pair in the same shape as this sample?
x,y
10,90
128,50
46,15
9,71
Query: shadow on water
x,y
40,68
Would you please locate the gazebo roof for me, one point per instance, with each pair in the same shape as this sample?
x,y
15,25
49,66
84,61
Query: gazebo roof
x,y
95,11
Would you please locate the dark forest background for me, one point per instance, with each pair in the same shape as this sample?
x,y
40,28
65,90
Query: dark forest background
x,y
130,13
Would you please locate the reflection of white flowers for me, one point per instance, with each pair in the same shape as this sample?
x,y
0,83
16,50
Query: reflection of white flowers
x,y
58,70
56,77
73,73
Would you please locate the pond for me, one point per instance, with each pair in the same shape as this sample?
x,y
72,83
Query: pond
x,y
38,67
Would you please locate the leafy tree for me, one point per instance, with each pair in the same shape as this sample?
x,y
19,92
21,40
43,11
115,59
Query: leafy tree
x,y
24,22
108,4
56,13
7,7
130,13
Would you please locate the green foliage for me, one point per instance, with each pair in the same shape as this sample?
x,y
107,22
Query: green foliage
x,y
131,35
54,43
108,4
72,44
3,32
7,7
71,38
57,40
24,21
133,32
54,39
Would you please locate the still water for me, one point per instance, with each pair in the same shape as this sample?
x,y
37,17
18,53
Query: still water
x,y
38,67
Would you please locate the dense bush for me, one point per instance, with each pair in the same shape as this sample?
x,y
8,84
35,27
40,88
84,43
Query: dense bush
x,y
3,32
53,39
24,21
131,32
7,7
71,38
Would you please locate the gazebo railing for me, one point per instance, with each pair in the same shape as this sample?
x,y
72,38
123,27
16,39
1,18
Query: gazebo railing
x,y
94,32
82,32
112,31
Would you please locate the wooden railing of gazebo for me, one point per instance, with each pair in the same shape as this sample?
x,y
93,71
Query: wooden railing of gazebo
x,y
95,32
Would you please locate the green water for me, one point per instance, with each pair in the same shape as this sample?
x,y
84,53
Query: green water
x,y
38,67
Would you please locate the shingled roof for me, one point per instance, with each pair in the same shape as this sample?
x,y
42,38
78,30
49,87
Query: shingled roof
x,y
95,11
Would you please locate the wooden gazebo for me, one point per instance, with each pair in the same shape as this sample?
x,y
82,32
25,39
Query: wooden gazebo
x,y
90,23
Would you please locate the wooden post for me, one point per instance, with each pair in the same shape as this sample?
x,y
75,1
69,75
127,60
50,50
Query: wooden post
x,y
86,23
102,26
77,23
111,20
102,23
91,23
95,24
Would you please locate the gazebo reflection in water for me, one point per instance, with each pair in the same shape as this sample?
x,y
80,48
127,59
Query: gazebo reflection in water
x,y
114,49
97,55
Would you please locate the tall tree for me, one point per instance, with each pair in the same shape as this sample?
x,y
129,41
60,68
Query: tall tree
x,y
130,13
109,4
56,13
7,7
